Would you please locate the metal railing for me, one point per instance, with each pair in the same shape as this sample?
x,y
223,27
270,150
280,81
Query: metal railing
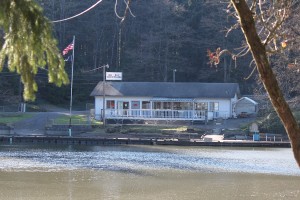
x,y
155,114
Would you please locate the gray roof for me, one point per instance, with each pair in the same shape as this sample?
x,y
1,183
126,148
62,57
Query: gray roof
x,y
247,99
167,89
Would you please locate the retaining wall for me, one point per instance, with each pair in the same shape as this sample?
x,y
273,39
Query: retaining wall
x,y
63,130
6,130
132,141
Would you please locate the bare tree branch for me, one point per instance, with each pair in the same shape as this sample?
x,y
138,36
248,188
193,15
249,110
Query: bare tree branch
x,y
260,55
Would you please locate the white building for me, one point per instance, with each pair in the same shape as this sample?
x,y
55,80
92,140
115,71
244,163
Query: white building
x,y
165,100
246,106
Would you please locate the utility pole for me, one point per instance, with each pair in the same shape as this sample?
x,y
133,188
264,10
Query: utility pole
x,y
174,71
103,67
20,95
103,109
71,95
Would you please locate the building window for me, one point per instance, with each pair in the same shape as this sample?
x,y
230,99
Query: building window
x,y
201,106
214,106
135,105
182,106
187,106
110,104
157,105
176,106
167,105
145,104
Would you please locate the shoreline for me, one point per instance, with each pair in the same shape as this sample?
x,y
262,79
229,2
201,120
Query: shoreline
x,y
102,141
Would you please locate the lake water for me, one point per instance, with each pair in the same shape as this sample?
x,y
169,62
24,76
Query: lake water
x,y
147,172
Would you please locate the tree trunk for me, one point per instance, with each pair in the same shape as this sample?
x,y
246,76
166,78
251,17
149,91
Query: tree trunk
x,y
267,76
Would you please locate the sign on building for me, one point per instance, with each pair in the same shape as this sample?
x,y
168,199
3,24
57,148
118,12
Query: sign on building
x,y
114,76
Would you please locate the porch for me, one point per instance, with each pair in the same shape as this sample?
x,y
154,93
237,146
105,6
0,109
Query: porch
x,y
148,114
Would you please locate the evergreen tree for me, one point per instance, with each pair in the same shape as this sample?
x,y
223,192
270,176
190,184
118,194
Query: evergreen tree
x,y
28,44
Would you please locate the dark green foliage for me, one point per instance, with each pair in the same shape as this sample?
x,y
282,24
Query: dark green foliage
x,y
270,122
29,45
163,35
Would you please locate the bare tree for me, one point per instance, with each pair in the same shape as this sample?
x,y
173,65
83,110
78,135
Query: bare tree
x,y
262,23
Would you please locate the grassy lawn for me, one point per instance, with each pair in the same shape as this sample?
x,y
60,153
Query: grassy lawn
x,y
153,128
9,118
149,129
76,120
125,128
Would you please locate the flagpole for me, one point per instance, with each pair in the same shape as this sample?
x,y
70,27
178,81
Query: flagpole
x,y
71,96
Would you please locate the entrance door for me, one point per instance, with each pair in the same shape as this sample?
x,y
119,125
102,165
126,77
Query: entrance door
x,y
123,107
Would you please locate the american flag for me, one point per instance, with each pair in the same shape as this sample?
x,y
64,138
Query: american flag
x,y
68,48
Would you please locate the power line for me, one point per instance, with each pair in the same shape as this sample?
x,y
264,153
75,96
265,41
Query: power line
x,y
90,8
95,69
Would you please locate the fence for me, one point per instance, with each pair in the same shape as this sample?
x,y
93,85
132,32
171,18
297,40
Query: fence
x,y
10,108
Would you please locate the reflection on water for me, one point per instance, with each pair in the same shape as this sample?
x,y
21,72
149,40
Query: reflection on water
x,y
144,159
147,172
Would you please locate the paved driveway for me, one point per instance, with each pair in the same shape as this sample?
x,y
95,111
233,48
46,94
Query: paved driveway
x,y
36,124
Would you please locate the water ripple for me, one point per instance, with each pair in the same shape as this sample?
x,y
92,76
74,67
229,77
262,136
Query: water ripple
x,y
143,159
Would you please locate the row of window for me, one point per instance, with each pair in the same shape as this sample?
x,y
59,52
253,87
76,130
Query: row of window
x,y
213,106
110,104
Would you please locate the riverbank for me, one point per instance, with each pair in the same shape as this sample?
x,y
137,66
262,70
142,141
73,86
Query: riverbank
x,y
90,141
36,129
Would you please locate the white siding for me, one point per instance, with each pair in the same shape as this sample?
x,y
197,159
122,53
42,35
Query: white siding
x,y
225,109
233,109
98,106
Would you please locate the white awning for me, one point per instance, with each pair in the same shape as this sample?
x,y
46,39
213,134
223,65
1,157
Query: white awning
x,y
172,99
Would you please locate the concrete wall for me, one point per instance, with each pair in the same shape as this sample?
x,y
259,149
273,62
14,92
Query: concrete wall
x,y
64,129
6,130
